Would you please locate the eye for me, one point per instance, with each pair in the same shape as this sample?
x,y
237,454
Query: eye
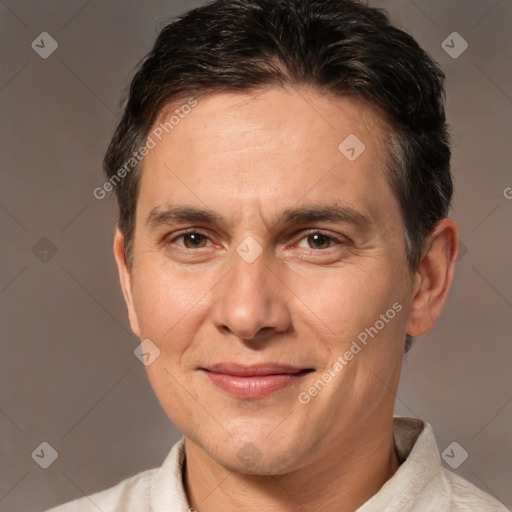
x,y
317,241
191,240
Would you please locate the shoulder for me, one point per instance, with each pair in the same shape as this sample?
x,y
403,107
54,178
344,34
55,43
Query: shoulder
x,y
132,494
467,497
155,489
422,483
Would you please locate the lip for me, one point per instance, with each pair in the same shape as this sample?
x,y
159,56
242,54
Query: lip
x,y
254,381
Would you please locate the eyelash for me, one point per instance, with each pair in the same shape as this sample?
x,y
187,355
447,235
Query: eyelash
x,y
334,240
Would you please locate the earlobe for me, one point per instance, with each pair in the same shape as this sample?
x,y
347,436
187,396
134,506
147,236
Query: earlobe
x,y
433,277
125,279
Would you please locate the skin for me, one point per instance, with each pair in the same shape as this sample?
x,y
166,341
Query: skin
x,y
247,158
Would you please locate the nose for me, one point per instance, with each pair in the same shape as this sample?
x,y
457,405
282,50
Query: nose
x,y
251,302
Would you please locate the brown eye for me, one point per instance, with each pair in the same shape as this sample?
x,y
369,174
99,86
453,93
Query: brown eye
x,y
319,241
194,240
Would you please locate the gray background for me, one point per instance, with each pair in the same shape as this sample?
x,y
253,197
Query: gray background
x,y
68,375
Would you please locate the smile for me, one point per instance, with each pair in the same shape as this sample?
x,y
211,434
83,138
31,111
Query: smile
x,y
254,381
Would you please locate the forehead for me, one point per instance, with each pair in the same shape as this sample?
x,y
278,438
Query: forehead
x,y
267,151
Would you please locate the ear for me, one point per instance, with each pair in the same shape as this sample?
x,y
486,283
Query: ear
x,y
433,277
125,278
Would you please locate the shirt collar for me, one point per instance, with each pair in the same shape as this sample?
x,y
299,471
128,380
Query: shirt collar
x,y
418,478
167,491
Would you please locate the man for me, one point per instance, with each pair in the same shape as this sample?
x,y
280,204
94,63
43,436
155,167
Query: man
x,y
282,175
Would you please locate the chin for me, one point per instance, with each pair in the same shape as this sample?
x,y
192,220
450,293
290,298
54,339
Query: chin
x,y
253,451
256,442
250,460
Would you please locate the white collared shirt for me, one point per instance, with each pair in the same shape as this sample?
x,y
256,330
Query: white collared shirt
x,y
420,484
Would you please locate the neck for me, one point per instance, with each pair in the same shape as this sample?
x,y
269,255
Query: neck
x,y
346,474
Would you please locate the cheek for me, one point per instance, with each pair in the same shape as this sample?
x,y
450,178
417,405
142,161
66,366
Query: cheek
x,y
349,299
170,306
167,301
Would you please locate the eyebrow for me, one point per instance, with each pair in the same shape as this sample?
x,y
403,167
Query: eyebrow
x,y
331,213
158,216
335,213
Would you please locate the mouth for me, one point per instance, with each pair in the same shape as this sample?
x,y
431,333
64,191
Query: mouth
x,y
254,381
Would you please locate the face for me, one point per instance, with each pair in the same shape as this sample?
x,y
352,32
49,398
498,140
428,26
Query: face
x,y
264,253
